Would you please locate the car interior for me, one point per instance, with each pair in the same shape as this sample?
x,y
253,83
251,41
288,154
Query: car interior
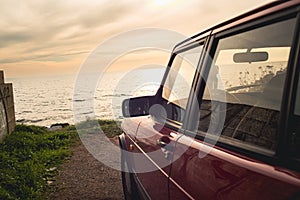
x,y
253,85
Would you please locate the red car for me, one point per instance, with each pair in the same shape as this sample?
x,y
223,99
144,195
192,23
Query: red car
x,y
225,123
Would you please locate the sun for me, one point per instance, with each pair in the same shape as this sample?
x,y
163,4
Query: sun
x,y
162,2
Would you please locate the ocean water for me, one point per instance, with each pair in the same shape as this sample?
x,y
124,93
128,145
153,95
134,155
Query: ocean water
x,y
48,100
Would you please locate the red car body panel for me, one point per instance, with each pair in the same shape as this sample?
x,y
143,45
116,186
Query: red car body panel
x,y
219,175
144,139
189,168
225,175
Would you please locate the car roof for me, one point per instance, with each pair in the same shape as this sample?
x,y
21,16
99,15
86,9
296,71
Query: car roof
x,y
243,18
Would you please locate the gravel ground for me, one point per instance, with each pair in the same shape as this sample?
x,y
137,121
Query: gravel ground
x,y
84,177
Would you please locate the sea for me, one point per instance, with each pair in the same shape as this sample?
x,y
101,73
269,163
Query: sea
x,y
48,100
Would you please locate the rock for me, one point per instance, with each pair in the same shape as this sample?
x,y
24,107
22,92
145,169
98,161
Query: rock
x,y
57,126
60,124
54,128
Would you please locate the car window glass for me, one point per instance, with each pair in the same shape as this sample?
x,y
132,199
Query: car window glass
x,y
245,85
179,81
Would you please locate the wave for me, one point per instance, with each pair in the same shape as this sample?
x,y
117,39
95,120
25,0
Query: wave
x,y
62,109
30,120
45,101
79,100
26,111
116,95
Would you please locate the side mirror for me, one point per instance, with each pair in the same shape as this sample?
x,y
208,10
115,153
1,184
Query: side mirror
x,y
138,106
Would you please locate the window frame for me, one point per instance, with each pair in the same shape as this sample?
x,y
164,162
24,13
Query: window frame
x,y
173,124
212,47
284,153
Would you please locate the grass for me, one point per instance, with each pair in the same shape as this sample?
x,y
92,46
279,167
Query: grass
x,y
29,157
109,127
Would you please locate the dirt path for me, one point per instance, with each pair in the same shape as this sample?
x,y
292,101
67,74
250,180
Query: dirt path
x,y
84,177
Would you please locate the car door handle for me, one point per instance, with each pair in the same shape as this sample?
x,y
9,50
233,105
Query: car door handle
x,y
161,143
164,142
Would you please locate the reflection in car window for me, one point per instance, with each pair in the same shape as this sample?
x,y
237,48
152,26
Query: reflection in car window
x,y
250,69
179,81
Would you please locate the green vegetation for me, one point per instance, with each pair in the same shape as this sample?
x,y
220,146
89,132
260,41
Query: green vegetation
x,y
29,157
28,160
109,127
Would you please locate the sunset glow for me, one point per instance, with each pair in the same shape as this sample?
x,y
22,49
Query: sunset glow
x,y
41,38
162,2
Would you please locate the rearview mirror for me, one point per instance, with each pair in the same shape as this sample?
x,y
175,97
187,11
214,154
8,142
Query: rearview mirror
x,y
250,57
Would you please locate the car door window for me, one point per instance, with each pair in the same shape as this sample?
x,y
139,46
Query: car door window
x,y
178,83
245,86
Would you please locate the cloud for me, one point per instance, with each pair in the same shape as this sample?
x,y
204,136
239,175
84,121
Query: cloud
x,y
53,57
8,38
55,31
35,26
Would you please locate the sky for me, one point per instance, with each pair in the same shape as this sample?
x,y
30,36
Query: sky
x,y
41,38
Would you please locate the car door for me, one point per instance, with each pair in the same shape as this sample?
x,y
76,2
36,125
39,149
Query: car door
x,y
231,150
154,137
